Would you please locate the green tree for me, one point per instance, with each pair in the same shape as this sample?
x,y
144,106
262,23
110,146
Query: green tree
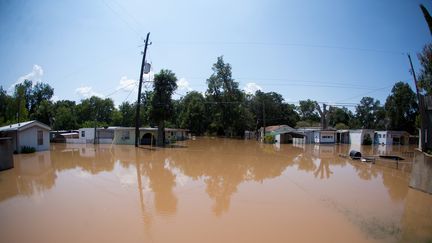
x,y
192,115
95,108
225,100
307,111
401,108
367,112
127,112
425,74
339,115
165,83
276,111
65,115
43,112
7,109
20,101
39,92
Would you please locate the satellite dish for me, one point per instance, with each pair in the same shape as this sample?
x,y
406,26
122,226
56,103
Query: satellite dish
x,y
147,68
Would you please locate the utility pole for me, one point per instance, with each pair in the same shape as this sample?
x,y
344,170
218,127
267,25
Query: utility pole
x,y
264,121
137,120
423,133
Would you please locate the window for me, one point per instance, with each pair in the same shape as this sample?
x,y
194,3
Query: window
x,y
125,135
379,135
40,137
82,134
383,135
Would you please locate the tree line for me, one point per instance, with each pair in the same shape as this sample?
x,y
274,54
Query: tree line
x,y
224,109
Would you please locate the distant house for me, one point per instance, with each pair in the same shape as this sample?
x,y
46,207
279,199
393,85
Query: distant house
x,y
316,135
126,135
281,133
31,134
391,137
327,136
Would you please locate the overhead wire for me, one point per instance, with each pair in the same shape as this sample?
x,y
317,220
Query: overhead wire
x,y
263,43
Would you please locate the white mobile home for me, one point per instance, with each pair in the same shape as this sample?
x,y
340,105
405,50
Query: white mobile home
x,y
32,134
315,135
391,137
325,136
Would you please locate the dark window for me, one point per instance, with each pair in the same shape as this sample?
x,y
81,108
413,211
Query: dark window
x,y
126,135
40,137
82,134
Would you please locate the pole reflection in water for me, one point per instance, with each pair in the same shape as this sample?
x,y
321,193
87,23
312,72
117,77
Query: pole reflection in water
x,y
210,190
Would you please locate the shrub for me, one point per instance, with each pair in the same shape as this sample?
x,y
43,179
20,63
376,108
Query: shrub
x,y
367,140
27,150
269,139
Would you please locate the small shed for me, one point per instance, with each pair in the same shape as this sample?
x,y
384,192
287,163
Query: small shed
x,y
30,134
361,136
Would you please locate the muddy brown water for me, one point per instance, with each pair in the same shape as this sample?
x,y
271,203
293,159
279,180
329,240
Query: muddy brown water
x,y
211,190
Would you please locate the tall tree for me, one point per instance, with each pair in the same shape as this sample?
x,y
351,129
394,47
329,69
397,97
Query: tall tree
x,y
425,74
401,108
21,97
225,99
367,112
165,83
39,93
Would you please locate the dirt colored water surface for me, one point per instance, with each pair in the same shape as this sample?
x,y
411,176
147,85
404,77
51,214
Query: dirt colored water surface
x,y
211,190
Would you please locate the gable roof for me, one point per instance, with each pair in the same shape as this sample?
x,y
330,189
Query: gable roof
x,y
23,125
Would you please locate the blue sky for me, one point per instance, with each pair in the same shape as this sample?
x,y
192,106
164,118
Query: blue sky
x,y
330,51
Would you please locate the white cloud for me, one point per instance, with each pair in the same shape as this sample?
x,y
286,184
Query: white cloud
x,y
149,76
127,84
35,75
87,92
183,84
251,88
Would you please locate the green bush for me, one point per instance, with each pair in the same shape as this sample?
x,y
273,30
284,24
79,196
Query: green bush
x,y
27,150
269,139
367,140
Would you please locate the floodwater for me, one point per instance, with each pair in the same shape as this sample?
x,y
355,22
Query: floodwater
x,y
211,190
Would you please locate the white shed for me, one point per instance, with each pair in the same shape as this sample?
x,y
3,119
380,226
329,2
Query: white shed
x,y
31,134
358,137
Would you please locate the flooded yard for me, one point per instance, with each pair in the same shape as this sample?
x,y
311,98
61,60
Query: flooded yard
x,y
211,190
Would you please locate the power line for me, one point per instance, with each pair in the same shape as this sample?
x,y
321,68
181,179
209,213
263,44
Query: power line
x,y
362,95
283,44
299,82
122,19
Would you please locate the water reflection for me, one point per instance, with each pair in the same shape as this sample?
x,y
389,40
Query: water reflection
x,y
158,179
32,174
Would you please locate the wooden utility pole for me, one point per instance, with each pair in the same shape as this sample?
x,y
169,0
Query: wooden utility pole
x,y
137,120
264,121
423,126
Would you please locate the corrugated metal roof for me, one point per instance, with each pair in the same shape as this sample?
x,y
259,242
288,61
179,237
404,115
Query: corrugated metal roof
x,y
23,125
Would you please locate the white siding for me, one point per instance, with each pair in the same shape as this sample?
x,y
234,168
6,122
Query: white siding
x,y
28,137
356,138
